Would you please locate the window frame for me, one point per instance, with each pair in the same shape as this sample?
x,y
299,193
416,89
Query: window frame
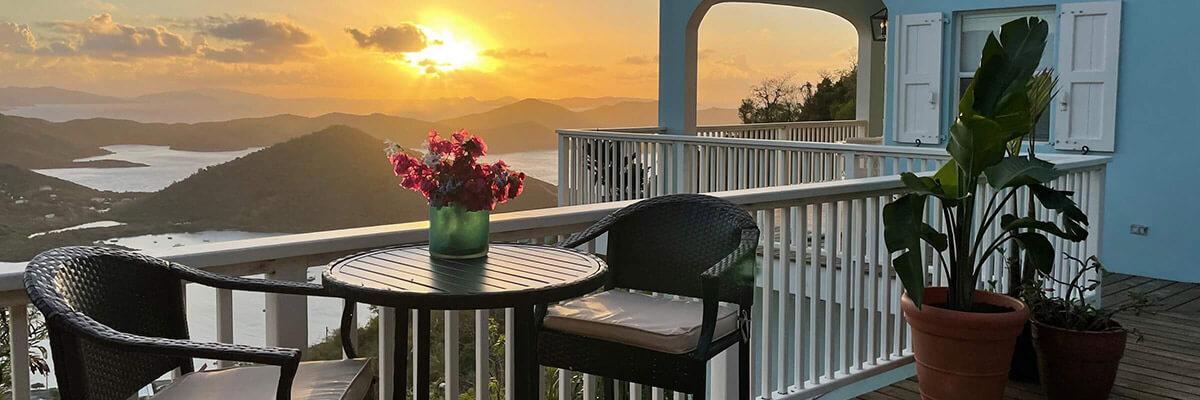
x,y
958,75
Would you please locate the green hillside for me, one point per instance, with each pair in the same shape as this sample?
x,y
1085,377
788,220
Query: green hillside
x,y
335,178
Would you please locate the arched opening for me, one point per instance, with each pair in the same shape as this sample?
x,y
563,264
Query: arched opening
x,y
792,53
680,54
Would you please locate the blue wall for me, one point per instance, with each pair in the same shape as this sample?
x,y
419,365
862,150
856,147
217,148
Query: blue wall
x,y
1154,178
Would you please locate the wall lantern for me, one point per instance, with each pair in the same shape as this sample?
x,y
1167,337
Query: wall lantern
x,y
879,23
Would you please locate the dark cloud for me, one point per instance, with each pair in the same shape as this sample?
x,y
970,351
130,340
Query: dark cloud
x,y
16,38
501,54
705,53
99,36
403,38
260,41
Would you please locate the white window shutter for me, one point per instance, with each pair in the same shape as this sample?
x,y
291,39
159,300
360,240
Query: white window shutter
x,y
918,78
1085,112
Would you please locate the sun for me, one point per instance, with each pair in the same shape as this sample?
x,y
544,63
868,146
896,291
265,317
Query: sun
x,y
444,53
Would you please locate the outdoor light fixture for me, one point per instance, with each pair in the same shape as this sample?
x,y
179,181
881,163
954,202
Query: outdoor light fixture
x,y
879,25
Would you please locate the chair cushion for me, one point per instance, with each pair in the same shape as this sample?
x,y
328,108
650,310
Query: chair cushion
x,y
315,380
658,323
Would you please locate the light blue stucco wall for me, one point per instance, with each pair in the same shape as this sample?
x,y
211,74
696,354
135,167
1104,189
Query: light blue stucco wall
x,y
1154,178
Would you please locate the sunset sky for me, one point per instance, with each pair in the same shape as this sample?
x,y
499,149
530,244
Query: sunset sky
x,y
401,49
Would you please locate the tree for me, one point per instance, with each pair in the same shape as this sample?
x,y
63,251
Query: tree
x,y
833,97
772,100
778,99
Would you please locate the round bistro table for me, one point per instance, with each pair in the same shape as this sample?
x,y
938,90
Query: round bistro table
x,y
519,276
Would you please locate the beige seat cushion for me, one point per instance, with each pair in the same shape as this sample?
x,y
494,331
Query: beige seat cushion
x,y
315,380
657,323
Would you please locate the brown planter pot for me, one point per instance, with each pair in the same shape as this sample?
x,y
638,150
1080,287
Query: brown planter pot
x,y
1077,364
963,355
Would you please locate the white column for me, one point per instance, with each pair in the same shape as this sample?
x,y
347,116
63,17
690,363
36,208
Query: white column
x,y
869,101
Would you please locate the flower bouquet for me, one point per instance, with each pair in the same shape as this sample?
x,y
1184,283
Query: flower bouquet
x,y
461,191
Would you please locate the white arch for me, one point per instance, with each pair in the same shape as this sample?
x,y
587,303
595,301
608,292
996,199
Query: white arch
x,y
679,22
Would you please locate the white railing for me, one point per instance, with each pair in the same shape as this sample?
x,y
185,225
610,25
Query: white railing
x,y
826,313
808,131
599,166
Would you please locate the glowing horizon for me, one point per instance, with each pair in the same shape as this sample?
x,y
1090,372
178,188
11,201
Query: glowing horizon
x,y
376,50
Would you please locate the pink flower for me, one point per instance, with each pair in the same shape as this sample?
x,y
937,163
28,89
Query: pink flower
x,y
450,173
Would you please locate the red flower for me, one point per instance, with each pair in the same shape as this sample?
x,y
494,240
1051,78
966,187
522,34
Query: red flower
x,y
456,176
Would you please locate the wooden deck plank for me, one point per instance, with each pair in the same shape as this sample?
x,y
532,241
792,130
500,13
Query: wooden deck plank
x,y
1164,365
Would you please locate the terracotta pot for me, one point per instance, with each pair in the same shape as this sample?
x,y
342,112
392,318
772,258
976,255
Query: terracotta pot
x,y
1024,366
1077,364
964,355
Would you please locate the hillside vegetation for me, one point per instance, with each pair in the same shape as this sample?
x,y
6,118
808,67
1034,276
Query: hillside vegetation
x,y
335,178
524,125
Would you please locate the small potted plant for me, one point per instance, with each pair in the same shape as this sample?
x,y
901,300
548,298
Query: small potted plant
x,y
962,337
1079,346
461,191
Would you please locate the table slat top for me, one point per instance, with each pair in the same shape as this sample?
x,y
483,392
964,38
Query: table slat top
x,y
511,273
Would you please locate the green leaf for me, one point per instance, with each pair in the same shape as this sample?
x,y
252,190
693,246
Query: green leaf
x,y
1059,200
976,143
947,176
1039,253
904,230
1008,63
1010,222
1020,171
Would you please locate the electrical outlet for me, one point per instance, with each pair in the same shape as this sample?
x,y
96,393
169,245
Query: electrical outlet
x,y
1141,230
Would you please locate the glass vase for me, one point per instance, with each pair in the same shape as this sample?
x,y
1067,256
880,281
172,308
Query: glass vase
x,y
457,233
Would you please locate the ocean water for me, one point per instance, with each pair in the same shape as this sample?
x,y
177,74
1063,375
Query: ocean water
x,y
164,167
97,224
540,164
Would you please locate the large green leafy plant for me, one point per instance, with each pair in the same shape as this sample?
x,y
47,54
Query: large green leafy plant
x,y
994,111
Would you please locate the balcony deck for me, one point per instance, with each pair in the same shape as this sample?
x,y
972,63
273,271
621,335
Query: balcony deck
x,y
1165,365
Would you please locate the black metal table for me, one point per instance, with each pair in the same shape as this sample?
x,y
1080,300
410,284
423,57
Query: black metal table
x,y
512,275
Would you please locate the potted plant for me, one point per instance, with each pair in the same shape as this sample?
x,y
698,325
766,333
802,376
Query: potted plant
x,y
962,337
461,191
1079,346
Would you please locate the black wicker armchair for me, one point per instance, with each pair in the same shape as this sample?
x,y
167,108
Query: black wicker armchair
x,y
117,322
694,246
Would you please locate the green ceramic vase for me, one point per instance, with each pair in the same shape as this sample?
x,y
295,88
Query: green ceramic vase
x,y
457,233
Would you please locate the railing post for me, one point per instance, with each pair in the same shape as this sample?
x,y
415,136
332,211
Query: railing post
x,y
18,333
450,361
287,314
851,164
224,318
562,169
387,348
681,169
723,375
1096,236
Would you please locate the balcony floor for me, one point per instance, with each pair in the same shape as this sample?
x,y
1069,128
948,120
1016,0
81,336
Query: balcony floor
x,y
1165,365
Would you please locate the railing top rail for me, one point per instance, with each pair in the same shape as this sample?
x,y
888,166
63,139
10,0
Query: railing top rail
x,y
1067,161
761,143
783,124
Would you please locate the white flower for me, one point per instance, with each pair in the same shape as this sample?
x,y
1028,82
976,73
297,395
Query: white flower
x,y
431,159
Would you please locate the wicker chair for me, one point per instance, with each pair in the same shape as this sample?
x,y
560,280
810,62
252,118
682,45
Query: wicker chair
x,y
117,322
684,245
